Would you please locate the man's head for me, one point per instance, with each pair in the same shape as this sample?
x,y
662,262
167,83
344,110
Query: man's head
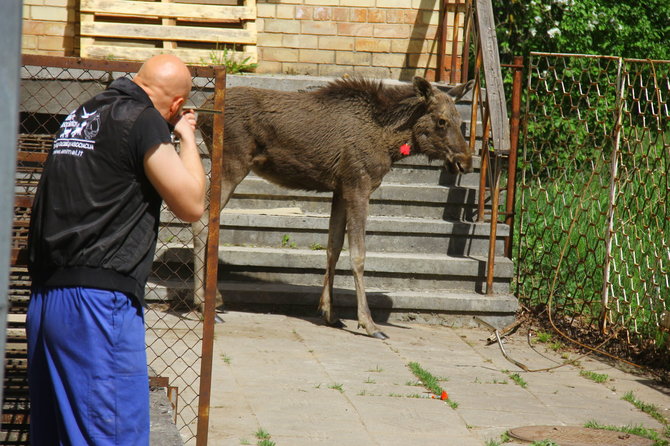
x,y
167,81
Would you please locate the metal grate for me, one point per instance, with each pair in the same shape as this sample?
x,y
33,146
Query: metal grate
x,y
176,335
593,199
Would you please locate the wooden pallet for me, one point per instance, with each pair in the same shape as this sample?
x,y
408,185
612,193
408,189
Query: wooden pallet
x,y
31,154
198,33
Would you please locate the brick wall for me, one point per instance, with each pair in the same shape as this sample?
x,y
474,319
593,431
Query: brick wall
x,y
49,27
378,38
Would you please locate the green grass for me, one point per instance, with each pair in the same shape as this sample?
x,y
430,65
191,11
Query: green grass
x,y
650,409
518,380
595,377
338,387
635,430
263,438
430,382
563,215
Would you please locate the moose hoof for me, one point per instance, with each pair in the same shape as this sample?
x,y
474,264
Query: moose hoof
x,y
380,335
335,324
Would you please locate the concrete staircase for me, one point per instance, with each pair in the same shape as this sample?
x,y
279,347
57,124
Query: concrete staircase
x,y
426,256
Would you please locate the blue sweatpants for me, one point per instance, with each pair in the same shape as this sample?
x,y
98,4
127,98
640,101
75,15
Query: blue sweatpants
x,y
87,369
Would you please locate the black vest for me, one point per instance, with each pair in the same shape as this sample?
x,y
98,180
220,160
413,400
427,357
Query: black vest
x,y
95,217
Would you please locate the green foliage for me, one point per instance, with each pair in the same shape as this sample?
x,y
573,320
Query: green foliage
x,y
611,27
227,57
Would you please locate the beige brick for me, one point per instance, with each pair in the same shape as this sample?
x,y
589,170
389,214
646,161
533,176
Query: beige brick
x,y
320,28
49,13
28,43
376,16
412,45
317,56
322,2
341,14
265,66
39,28
33,2
300,41
373,45
282,26
430,17
285,12
266,10
279,54
373,72
359,15
51,43
358,3
62,3
394,4
355,29
334,70
304,12
270,39
353,58
321,13
336,43
309,69
395,16
391,31
388,59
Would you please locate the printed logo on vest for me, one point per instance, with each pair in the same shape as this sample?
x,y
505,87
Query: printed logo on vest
x,y
77,133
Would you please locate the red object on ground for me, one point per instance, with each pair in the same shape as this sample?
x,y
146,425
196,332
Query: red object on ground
x,y
444,396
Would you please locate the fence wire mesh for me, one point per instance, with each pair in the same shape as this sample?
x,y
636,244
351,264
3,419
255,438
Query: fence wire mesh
x,y
593,221
174,335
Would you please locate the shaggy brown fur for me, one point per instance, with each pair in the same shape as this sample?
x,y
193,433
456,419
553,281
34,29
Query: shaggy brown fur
x,y
342,138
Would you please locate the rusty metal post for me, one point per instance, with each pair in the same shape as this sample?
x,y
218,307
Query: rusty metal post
x,y
212,261
454,43
484,169
495,196
440,74
514,124
467,30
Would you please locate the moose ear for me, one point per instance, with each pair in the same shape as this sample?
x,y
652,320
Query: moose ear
x,y
460,90
423,88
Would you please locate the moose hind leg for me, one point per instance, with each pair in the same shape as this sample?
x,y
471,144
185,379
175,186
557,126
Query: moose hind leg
x,y
335,241
357,212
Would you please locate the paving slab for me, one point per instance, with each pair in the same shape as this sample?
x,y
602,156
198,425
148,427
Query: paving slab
x,y
308,384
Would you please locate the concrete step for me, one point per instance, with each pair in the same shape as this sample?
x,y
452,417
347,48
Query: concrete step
x,y
390,271
393,199
432,306
289,227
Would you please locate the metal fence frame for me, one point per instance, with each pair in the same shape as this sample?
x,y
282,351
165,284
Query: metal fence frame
x,y
613,116
169,310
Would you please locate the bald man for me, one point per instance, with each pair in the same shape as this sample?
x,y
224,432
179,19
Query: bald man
x,y
92,240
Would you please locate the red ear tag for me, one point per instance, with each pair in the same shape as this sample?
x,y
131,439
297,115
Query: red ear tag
x,y
405,149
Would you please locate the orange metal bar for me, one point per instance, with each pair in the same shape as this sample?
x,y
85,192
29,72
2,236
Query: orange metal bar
x,y
515,124
212,261
440,72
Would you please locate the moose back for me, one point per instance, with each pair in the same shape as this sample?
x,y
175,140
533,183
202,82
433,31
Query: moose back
x,y
341,138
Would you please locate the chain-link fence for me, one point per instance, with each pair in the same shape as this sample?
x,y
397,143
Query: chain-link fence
x,y
178,337
592,208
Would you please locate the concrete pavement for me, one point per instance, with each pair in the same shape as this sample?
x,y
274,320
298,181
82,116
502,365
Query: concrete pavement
x,y
307,384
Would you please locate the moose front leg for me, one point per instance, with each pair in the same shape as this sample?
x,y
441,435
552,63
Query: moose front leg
x,y
357,213
335,241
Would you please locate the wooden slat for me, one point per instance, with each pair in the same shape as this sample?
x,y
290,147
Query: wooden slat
x,y
160,32
168,10
133,53
495,91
